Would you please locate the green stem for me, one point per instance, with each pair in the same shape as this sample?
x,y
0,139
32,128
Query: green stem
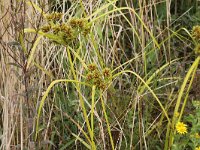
x,y
178,102
107,122
81,101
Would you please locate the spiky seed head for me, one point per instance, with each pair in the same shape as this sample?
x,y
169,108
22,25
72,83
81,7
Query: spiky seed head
x,y
196,33
102,85
96,74
89,76
106,72
46,28
56,29
92,67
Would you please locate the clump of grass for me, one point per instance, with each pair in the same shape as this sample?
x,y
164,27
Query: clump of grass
x,y
135,103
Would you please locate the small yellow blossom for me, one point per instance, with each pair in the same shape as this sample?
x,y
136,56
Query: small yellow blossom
x,y
197,148
181,128
197,135
177,114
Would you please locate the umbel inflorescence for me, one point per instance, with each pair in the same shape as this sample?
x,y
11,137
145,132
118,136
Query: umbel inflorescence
x,y
66,31
196,36
98,78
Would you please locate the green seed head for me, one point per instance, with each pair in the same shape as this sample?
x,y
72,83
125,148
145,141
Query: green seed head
x,y
54,16
97,82
196,33
102,85
92,67
67,30
106,72
96,74
46,28
77,23
86,30
56,29
89,77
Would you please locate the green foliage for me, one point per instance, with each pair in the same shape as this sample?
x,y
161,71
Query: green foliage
x,y
192,139
109,75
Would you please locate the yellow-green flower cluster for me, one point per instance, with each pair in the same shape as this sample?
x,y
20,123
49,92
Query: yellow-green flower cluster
x,y
80,25
98,78
46,28
196,33
54,16
196,135
177,114
196,36
67,31
77,23
181,128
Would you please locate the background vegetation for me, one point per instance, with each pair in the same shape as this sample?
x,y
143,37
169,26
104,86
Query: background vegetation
x,y
103,74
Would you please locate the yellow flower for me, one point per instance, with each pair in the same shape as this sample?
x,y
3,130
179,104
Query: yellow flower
x,y
197,148
177,114
197,135
181,128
